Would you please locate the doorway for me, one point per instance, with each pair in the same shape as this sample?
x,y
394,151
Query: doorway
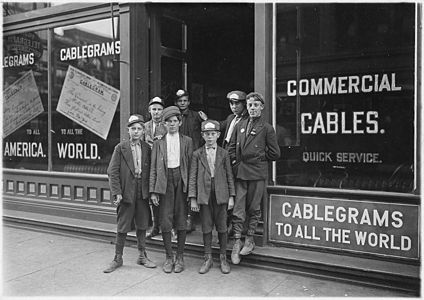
x,y
207,49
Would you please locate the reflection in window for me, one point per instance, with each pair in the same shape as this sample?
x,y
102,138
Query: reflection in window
x,y
92,53
13,8
25,101
345,95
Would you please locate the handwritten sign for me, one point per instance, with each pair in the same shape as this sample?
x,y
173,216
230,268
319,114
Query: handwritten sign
x,y
88,101
386,229
22,103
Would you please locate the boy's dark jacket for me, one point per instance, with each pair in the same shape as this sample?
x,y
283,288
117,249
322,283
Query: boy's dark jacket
x,y
121,171
159,167
200,177
250,155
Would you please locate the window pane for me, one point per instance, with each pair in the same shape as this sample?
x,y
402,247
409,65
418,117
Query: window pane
x,y
345,95
85,121
172,78
171,33
25,101
13,8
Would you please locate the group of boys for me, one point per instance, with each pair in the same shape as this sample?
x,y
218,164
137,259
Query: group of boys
x,y
179,173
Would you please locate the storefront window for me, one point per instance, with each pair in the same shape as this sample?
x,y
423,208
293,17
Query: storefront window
x,y
345,95
13,8
25,96
85,99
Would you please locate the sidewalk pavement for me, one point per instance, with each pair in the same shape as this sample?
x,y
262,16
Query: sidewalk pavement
x,y
45,264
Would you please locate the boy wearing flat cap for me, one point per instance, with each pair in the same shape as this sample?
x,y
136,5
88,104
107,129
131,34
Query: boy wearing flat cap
x,y
190,126
212,188
171,157
155,129
252,146
237,101
128,173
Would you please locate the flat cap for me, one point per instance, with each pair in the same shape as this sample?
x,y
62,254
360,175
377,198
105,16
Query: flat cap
x,y
170,111
236,96
210,125
157,100
181,93
256,97
135,119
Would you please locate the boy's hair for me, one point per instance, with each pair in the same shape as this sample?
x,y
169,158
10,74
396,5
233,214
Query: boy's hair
x,y
178,117
256,97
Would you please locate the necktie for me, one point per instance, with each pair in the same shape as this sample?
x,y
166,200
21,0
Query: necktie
x,y
249,126
155,128
231,128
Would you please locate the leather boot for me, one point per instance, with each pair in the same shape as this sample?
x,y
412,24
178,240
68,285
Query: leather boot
x,y
249,245
225,266
144,260
115,264
207,264
179,264
235,253
168,265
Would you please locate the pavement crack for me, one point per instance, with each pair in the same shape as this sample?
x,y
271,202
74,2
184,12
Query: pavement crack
x,y
135,284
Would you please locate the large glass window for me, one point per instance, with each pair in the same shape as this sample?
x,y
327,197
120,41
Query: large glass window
x,y
345,95
84,108
85,98
25,96
13,8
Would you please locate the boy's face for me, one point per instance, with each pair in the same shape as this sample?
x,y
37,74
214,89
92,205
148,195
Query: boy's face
x,y
156,111
136,131
237,107
182,103
210,137
254,107
173,124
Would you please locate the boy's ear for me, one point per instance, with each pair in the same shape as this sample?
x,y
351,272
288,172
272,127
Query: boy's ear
x,y
218,134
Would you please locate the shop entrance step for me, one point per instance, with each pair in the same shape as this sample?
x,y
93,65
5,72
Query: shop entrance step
x,y
363,271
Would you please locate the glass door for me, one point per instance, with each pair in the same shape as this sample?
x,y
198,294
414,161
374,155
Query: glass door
x,y
168,55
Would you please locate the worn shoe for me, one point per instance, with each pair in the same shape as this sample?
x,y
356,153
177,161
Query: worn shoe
x,y
225,266
168,265
249,245
179,264
144,261
115,264
207,264
152,231
235,253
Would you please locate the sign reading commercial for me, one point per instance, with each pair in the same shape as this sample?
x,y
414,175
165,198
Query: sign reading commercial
x,y
88,101
21,103
342,122
385,229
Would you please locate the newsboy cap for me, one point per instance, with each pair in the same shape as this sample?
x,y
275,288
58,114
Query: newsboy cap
x,y
210,125
236,96
157,100
181,93
135,119
170,111
256,96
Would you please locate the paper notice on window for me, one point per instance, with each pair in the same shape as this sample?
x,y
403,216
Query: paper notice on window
x,y
88,101
22,103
